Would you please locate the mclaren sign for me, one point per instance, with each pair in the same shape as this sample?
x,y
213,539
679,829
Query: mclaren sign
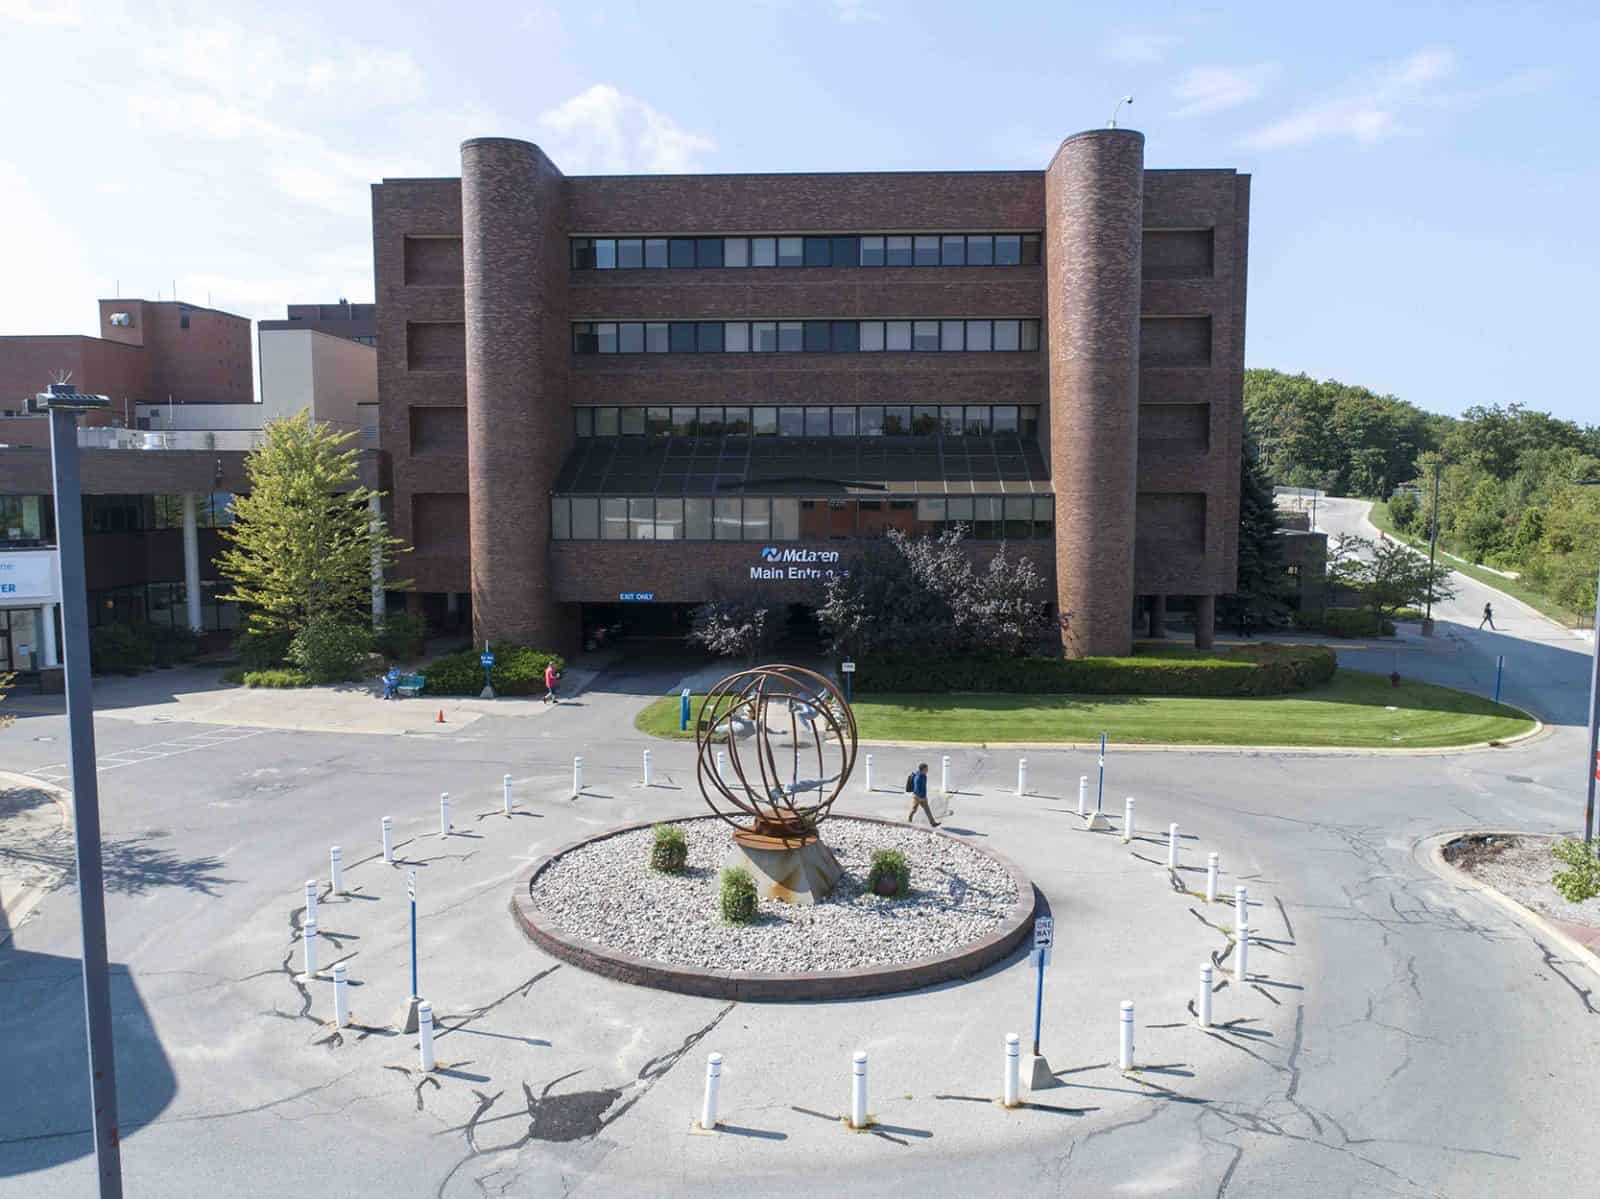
x,y
795,564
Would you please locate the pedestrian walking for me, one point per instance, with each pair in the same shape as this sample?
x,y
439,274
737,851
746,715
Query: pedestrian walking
x,y
391,681
1488,618
552,679
917,787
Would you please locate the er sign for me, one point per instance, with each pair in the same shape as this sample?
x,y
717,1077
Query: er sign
x,y
1044,931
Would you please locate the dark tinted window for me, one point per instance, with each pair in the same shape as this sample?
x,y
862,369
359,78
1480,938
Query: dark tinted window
x,y
708,337
816,422
953,250
1030,249
1007,249
791,422
681,252
584,340
846,251
818,251
708,251
845,337
816,337
655,252
630,254
582,254
980,250
682,337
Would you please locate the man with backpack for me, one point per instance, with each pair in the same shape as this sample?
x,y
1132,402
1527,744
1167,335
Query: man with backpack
x,y
917,788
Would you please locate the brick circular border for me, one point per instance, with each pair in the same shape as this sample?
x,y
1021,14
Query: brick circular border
x,y
542,929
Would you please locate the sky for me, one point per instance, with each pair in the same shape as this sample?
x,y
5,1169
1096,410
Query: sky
x,y
1424,184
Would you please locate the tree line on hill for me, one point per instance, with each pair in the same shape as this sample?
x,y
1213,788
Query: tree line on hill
x,y
1508,476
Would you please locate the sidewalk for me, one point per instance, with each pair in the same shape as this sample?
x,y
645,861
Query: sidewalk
x,y
35,846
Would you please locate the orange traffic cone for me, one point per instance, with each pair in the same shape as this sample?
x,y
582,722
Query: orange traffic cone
x,y
441,717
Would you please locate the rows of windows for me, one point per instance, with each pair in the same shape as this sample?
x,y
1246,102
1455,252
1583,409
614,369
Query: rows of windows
x,y
795,337
760,518
877,249
30,519
947,420
27,520
163,604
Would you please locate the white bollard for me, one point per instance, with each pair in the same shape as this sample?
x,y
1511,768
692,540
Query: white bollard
x,y
336,870
1022,777
858,1090
1211,877
311,899
388,841
722,765
1202,1007
1083,795
505,788
708,1110
1127,820
1172,846
444,813
647,768
1240,969
308,939
425,1034
577,775
867,782
1013,1070
341,997
944,774
1241,908
1125,1047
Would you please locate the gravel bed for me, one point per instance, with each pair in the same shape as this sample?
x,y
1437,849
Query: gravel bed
x,y
1520,867
606,892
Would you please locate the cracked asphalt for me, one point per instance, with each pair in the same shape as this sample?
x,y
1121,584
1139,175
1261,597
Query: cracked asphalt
x,y
1396,1034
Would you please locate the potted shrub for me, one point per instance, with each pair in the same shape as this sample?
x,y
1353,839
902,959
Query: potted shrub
x,y
889,874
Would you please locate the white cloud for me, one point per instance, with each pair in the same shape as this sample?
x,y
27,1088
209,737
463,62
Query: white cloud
x,y
370,76
603,130
1201,91
1137,46
856,12
61,287
1377,103
44,13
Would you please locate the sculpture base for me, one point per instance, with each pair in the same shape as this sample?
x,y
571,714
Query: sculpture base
x,y
795,870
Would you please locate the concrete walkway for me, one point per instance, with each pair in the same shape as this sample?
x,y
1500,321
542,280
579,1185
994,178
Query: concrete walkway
x,y
35,847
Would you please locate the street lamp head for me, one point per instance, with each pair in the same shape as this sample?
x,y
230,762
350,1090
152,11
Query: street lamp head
x,y
65,397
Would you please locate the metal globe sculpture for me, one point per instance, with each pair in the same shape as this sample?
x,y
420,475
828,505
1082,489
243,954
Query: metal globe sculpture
x,y
789,740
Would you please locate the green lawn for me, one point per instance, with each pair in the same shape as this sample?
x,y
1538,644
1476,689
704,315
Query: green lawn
x,y
1513,587
1351,711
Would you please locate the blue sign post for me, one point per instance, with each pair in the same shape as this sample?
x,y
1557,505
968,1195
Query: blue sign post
x,y
683,710
848,669
1044,934
411,890
1499,666
486,660
1100,794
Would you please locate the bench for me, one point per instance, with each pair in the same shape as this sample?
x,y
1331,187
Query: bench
x,y
410,685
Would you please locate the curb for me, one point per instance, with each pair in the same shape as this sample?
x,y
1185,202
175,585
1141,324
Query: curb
x,y
1430,850
28,897
967,960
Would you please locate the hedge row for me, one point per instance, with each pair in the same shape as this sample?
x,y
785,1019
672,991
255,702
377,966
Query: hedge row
x,y
518,670
131,648
1265,669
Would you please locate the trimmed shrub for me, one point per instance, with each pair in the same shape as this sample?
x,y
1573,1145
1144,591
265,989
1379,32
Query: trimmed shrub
x,y
261,651
275,678
1581,880
669,852
890,863
170,646
402,636
1355,622
518,670
119,649
331,651
1263,669
736,895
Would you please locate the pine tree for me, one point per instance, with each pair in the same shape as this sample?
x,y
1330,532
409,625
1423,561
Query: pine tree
x,y
1262,584
302,541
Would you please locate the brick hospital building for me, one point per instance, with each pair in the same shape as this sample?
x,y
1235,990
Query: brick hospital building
x,y
632,393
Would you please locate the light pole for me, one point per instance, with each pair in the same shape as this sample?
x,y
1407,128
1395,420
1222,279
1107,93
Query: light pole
x,y
1592,766
63,402
1433,544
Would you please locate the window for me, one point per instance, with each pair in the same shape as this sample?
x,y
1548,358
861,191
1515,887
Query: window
x,y
708,337
897,335
1005,418
655,337
681,337
630,254
950,420
728,521
986,522
871,422
1030,249
764,336
585,419
844,422
872,251
953,250
669,520
763,251
585,518
683,422
710,422
736,251
736,337
606,334
930,517
791,338
605,422
816,337
927,250
757,518
613,519
924,420
1018,517
980,335
1030,335
791,251
818,251
1007,335
680,252
958,511
846,251
582,254
655,253
584,340
605,254
925,335
642,520
952,335
977,420
896,420
1007,249
1028,421
632,422
1044,516
708,252
630,338
736,422
764,422
658,421
816,422
697,519
791,422
870,336
844,337
980,250
897,251
785,519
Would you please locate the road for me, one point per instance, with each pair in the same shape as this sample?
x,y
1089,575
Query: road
x,y
1400,1035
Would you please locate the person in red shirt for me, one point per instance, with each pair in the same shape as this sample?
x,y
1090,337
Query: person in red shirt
x,y
551,678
